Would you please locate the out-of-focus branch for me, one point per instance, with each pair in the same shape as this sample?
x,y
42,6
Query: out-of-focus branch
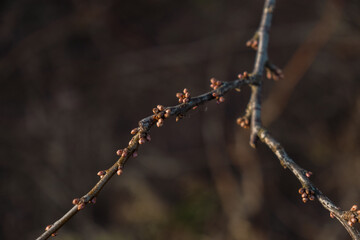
x,y
253,113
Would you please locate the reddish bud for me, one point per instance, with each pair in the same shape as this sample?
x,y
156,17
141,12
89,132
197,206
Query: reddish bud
x,y
101,173
75,201
304,195
119,152
53,234
214,94
48,227
332,215
155,110
307,191
301,190
240,76
148,137
353,220
185,90
195,107
354,208
350,223
305,200
212,80
308,174
187,95
93,200
119,171
221,99
160,107
135,154
358,212
142,140
160,122
81,206
134,131
124,153
312,197
179,95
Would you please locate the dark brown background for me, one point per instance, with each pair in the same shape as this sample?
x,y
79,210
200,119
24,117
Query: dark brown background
x,y
76,76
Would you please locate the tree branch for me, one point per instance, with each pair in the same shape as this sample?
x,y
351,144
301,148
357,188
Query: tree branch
x,y
253,111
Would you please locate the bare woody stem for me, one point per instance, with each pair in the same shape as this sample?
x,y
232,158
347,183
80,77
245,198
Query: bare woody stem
x,y
253,111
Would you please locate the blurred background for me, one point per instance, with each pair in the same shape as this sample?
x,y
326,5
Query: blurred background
x,y
76,76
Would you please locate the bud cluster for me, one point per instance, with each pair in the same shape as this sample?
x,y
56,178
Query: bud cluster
x,y
79,202
307,194
122,152
244,75
308,174
253,43
273,72
354,215
183,97
215,85
243,122
160,113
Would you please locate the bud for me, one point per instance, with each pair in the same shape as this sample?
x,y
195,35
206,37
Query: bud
x,y
187,95
350,223
135,154
305,200
155,110
160,122
124,153
101,173
353,220
93,200
75,201
48,227
185,90
221,99
119,152
142,140
312,198
304,195
148,137
81,206
179,95
354,208
119,171
212,80
160,107
301,190
332,215
134,131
